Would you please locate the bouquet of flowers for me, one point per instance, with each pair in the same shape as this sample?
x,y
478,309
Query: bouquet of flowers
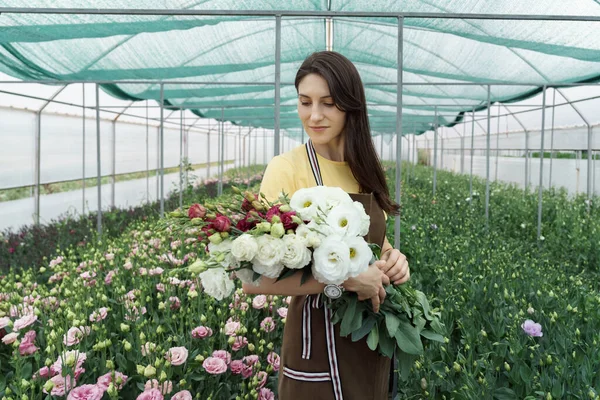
x,y
320,231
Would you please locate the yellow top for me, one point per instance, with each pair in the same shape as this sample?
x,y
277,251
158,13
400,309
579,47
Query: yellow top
x,y
291,171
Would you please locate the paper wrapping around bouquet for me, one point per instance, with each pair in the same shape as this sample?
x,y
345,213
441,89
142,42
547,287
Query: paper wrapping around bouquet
x,y
377,227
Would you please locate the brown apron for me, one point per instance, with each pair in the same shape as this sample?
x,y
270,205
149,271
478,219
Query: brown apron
x,y
316,362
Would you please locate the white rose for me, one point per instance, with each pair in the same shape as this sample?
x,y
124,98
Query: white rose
x,y
365,219
297,255
335,196
360,255
245,275
307,202
216,283
244,248
270,271
344,220
332,261
224,248
310,237
270,250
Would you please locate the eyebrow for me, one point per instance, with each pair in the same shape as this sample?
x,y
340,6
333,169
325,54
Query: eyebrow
x,y
322,97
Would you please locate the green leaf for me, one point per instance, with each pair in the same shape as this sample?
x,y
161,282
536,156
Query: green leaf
x,y
306,273
408,338
373,338
557,390
346,326
432,336
525,372
387,344
422,299
255,276
504,393
121,361
392,322
405,362
286,273
366,327
27,370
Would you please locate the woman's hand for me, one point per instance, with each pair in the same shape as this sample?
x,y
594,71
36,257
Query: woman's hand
x,y
369,284
395,267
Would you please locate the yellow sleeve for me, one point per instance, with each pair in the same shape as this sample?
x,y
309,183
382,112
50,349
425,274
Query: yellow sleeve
x,y
279,177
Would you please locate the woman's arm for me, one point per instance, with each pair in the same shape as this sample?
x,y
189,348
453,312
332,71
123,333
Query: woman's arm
x,y
289,286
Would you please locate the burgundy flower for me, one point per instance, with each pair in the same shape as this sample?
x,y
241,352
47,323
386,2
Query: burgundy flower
x,y
286,219
272,212
247,205
221,224
196,211
246,224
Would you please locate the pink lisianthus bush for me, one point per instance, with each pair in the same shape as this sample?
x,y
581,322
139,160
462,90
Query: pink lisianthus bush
x,y
151,394
86,392
214,365
177,355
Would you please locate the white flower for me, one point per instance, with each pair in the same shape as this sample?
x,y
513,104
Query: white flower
x,y
216,283
297,255
307,202
360,255
335,196
312,238
269,256
245,275
365,219
244,248
224,248
332,261
344,220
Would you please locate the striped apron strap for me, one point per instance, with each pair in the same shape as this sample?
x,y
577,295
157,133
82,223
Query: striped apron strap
x,y
317,301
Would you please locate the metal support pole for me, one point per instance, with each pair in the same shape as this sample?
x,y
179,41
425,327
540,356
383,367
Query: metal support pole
x,y
83,152
487,160
552,135
147,157
222,150
162,150
462,148
114,164
37,168
589,168
186,147
181,158
435,134
208,151
526,162
256,147
472,154
240,159
399,130
442,149
157,163
98,159
541,187
497,145
381,147
277,83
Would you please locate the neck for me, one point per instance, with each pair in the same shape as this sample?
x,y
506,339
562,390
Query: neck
x,y
334,150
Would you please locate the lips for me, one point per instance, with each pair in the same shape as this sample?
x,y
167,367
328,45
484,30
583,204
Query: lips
x,y
318,128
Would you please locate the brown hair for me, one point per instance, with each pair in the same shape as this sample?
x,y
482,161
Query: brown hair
x,y
348,93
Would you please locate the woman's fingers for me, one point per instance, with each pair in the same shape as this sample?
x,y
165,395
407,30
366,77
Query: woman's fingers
x,y
375,301
403,279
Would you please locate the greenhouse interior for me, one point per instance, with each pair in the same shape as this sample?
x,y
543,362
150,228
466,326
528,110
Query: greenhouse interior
x,y
131,130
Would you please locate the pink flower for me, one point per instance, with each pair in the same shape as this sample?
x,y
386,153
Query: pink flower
x,y
43,373
273,359
79,357
265,394
201,332
177,355
244,306
214,365
232,327
148,348
10,338
288,300
175,302
128,265
183,395
532,329
86,392
247,371
107,379
196,211
240,342
62,384
75,334
27,346
88,275
221,224
250,360
282,311
156,271
4,321
267,324
108,278
24,321
237,367
160,287
152,394
259,301
223,355
99,315
166,387
262,378
109,256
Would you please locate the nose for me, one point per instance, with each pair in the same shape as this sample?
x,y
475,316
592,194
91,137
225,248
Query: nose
x,y
316,114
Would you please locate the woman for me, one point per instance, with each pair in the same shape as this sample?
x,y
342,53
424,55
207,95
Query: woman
x,y
316,363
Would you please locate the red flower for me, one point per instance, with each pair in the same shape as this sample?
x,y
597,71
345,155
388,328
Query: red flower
x,y
286,219
246,224
272,212
196,211
247,205
11,250
221,224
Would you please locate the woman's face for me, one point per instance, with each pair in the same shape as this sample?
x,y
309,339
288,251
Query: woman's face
x,y
322,120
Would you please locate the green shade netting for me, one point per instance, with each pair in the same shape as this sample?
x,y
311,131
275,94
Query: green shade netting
x,y
242,49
